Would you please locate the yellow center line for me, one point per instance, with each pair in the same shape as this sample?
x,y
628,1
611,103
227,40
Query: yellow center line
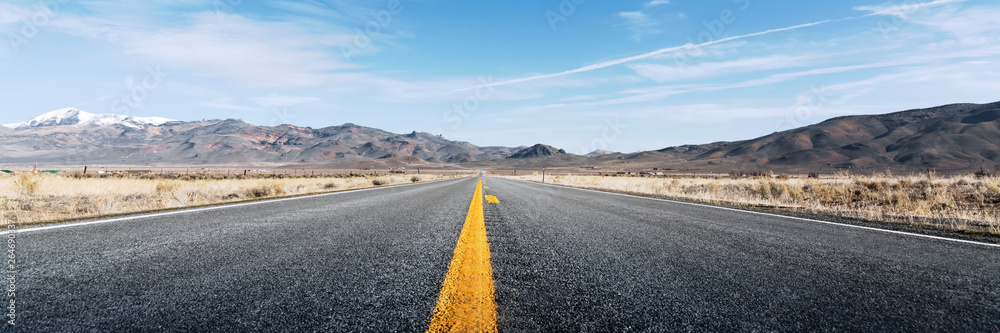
x,y
467,302
492,199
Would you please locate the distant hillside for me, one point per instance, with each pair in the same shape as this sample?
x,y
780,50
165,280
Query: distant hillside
x,y
537,151
599,152
957,137
950,137
71,139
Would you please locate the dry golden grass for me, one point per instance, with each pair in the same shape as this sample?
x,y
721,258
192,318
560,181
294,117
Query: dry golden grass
x,y
29,198
959,203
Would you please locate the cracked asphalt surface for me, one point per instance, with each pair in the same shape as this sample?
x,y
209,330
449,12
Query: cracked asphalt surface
x,y
563,260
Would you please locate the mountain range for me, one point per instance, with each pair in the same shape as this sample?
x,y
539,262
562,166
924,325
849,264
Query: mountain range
x,y
955,137
75,137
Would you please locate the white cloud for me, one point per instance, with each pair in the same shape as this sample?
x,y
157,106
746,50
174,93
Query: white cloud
x,y
636,17
653,54
661,73
251,53
13,14
657,3
708,113
902,10
309,9
275,100
970,27
216,44
226,103
224,106
639,24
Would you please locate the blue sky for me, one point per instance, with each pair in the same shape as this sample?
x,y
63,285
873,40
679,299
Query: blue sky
x,y
578,74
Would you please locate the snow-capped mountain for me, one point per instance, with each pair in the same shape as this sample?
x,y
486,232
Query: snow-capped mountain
x,y
600,152
75,117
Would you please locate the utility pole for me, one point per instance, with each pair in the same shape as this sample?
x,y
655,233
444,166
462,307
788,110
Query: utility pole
x,y
543,175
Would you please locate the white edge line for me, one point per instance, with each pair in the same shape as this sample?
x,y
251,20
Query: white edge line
x,y
222,206
775,215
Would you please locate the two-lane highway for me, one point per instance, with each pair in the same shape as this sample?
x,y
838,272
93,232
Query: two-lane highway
x,y
561,259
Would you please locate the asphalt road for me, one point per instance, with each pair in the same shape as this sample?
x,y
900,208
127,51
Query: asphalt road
x,y
562,259
354,261
568,259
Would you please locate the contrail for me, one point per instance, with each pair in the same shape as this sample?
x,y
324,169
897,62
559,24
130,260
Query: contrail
x,y
874,12
610,63
900,10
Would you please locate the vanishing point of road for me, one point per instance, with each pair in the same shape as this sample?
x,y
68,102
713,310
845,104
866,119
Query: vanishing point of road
x,y
483,254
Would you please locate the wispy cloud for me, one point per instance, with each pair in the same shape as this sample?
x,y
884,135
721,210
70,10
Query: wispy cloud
x,y
311,9
615,62
876,10
902,10
10,13
909,71
250,53
657,3
639,24
662,73
226,104
276,100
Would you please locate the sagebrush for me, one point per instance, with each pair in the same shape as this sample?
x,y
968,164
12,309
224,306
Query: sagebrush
x,y
963,203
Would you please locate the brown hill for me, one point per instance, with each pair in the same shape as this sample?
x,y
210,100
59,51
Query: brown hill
x,y
947,138
229,141
536,151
